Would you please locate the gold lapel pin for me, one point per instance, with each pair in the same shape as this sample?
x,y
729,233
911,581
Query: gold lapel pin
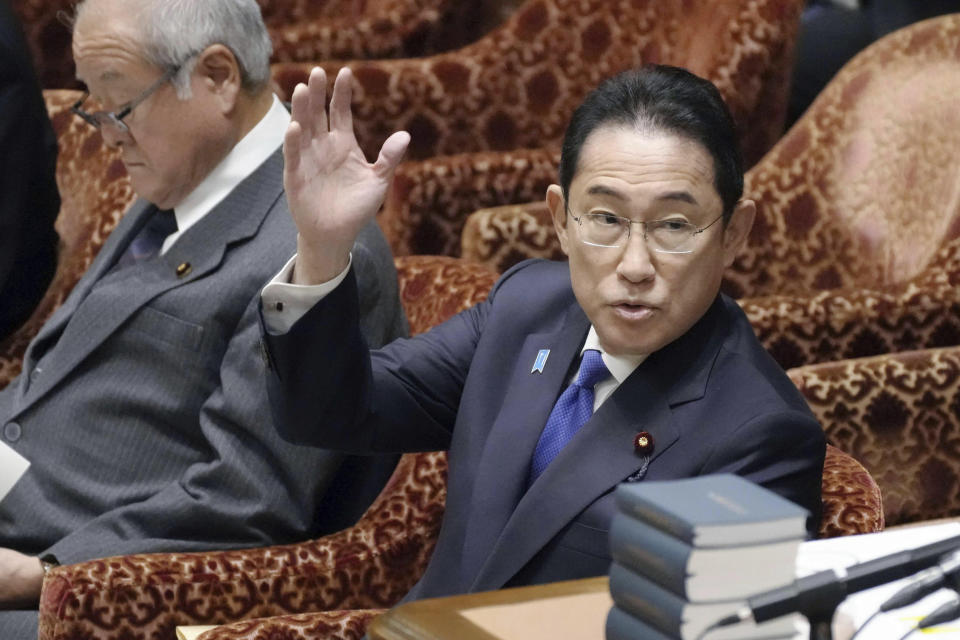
x,y
183,269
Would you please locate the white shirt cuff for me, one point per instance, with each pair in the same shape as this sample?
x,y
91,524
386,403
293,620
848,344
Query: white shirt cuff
x,y
284,303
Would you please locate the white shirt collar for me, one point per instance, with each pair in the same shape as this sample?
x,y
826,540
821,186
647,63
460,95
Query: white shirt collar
x,y
248,154
620,367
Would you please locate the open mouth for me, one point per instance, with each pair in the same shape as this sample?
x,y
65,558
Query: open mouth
x,y
633,311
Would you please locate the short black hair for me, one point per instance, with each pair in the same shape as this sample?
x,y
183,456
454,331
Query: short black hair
x,y
661,98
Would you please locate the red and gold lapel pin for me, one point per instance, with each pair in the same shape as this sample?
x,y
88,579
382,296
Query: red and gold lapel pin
x,y
643,443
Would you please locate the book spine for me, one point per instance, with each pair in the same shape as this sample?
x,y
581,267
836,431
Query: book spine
x,y
630,503
622,626
646,600
650,552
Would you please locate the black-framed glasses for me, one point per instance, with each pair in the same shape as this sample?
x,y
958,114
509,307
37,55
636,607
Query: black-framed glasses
x,y
114,119
670,235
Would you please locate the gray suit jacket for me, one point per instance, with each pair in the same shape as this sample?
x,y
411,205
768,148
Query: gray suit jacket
x,y
143,407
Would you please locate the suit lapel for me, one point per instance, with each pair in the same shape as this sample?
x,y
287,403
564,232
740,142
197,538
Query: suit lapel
x,y
601,454
505,461
112,298
116,243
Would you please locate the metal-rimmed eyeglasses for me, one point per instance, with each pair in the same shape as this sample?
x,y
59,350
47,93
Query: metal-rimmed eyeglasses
x,y
114,119
670,235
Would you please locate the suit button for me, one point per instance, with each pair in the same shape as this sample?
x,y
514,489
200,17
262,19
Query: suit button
x,y
12,431
35,374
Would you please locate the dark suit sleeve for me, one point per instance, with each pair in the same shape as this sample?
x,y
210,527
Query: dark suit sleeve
x,y
252,488
401,398
782,451
381,316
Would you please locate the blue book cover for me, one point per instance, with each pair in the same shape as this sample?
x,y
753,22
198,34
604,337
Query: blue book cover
x,y
714,511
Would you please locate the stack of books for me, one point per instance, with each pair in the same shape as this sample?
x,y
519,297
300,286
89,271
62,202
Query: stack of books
x,y
688,553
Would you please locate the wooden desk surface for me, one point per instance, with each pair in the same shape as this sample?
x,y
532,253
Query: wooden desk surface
x,y
444,619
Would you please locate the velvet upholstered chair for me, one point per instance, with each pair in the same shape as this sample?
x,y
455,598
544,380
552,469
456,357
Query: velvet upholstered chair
x,y
95,191
505,100
856,247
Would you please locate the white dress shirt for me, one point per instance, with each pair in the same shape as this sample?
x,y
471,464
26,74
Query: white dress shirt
x,y
620,368
248,154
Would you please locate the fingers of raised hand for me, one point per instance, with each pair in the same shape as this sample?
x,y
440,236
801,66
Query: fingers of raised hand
x,y
291,151
317,89
391,153
341,117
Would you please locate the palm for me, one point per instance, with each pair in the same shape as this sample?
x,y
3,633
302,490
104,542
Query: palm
x,y
331,188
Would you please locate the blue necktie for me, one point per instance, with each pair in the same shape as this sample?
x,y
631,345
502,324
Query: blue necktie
x,y
147,243
572,410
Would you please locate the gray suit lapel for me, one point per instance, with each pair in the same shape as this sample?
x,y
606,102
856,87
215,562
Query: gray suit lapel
x,y
115,244
601,454
113,297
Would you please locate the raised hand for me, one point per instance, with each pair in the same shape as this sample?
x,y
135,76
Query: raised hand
x,y
331,188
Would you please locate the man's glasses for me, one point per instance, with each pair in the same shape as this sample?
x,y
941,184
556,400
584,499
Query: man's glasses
x,y
663,236
114,119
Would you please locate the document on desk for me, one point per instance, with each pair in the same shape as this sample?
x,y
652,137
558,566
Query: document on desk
x,y
12,467
853,612
581,616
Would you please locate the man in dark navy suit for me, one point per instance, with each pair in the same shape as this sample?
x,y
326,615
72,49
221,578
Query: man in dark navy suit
x,y
29,200
626,364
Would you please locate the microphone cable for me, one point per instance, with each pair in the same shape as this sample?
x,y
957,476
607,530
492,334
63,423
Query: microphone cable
x,y
921,584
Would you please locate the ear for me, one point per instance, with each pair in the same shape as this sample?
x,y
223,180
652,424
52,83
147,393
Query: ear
x,y
737,230
219,73
558,212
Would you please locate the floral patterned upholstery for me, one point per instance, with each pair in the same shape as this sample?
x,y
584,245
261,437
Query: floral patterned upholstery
x,y
270,592
854,252
516,87
95,191
502,236
852,501
371,565
899,414
325,625
301,30
430,200
309,30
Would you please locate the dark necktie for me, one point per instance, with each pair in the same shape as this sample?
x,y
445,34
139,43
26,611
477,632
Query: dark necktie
x,y
572,410
148,242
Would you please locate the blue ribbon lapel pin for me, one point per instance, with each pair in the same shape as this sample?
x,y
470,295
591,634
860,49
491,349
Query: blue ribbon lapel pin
x,y
541,361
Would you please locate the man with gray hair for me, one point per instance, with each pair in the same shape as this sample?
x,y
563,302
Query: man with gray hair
x,y
142,408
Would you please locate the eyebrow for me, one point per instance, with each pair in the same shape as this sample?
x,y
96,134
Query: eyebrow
x,y
601,190
682,196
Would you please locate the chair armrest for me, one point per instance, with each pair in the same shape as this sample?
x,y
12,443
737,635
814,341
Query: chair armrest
x,y
852,502
370,565
898,415
430,200
322,625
